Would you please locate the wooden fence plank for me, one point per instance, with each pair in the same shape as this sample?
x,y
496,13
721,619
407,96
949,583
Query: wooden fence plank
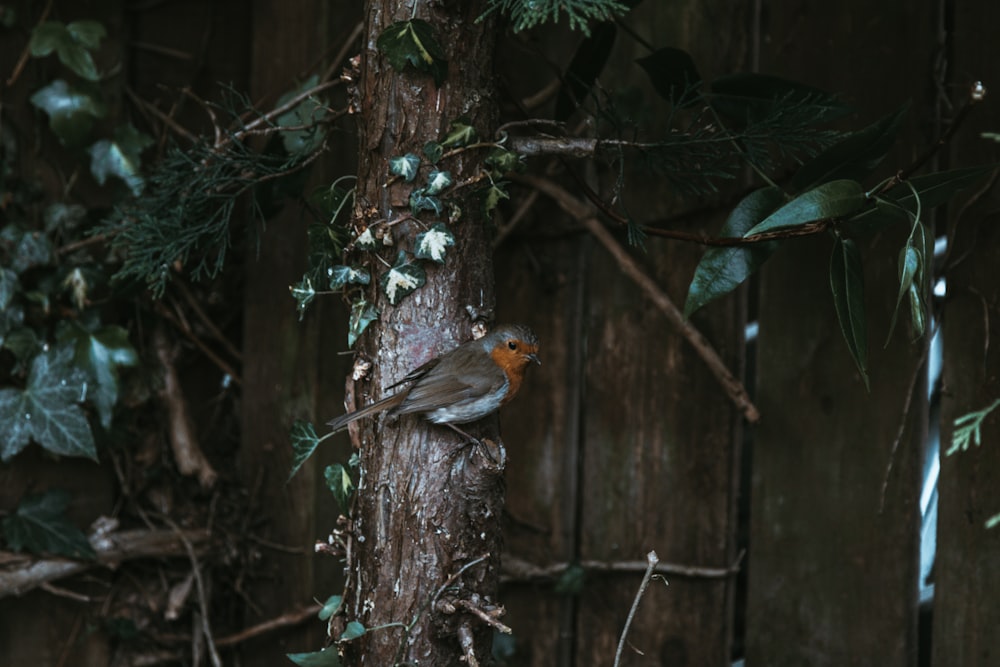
x,y
833,572
967,568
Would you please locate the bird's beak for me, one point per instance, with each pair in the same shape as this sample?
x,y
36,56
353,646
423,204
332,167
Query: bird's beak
x,y
534,357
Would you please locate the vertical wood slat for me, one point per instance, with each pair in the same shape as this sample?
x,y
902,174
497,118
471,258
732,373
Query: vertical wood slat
x,y
967,567
289,372
833,573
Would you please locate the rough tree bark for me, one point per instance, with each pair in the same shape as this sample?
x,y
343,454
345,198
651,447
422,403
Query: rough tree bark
x,y
426,531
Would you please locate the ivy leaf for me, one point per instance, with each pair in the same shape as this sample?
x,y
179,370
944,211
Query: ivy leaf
x,y
23,343
413,43
61,216
304,443
331,607
71,111
433,151
402,279
502,161
460,133
303,293
120,157
100,354
830,200
437,181
420,201
25,249
46,411
366,241
848,288
673,75
328,657
306,115
39,526
341,276
362,314
433,243
352,631
72,43
9,285
405,166
494,194
338,478
723,269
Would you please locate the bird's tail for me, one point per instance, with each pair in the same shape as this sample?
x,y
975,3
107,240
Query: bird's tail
x,y
341,422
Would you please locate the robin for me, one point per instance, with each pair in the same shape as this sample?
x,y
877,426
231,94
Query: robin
x,y
462,385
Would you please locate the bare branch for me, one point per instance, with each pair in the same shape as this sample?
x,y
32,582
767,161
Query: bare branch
x,y
585,215
652,560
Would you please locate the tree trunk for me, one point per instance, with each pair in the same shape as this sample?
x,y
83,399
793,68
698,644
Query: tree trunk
x,y
426,531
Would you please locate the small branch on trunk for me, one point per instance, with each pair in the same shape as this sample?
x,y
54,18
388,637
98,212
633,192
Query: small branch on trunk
x,y
467,642
584,215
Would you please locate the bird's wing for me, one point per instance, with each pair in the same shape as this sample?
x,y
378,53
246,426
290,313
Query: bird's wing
x,y
449,384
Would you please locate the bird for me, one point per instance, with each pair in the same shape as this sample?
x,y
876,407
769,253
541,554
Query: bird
x,y
462,385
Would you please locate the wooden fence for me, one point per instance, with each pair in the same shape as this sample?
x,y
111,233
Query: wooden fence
x,y
795,542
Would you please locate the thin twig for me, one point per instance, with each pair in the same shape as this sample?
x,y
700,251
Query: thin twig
x,y
26,53
161,116
338,60
285,620
652,560
519,570
164,312
206,627
730,384
206,321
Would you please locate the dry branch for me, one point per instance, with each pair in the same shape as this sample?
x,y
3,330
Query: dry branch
x,y
518,570
23,574
585,215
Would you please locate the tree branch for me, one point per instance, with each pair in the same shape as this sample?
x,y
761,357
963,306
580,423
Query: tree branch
x,y
516,570
24,574
585,216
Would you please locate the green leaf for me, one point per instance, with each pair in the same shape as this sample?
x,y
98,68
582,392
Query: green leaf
x,y
749,97
420,201
830,200
72,43
494,194
327,657
352,631
909,266
433,243
39,526
71,111
848,288
23,343
120,157
587,64
341,276
855,156
433,151
413,43
673,75
303,293
723,269
362,314
25,249
330,607
306,117
405,166
46,411
366,241
437,181
304,443
9,285
918,317
338,478
402,279
100,354
460,133
501,161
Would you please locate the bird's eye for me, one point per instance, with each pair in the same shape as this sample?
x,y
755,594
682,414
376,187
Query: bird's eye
x,y
512,345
